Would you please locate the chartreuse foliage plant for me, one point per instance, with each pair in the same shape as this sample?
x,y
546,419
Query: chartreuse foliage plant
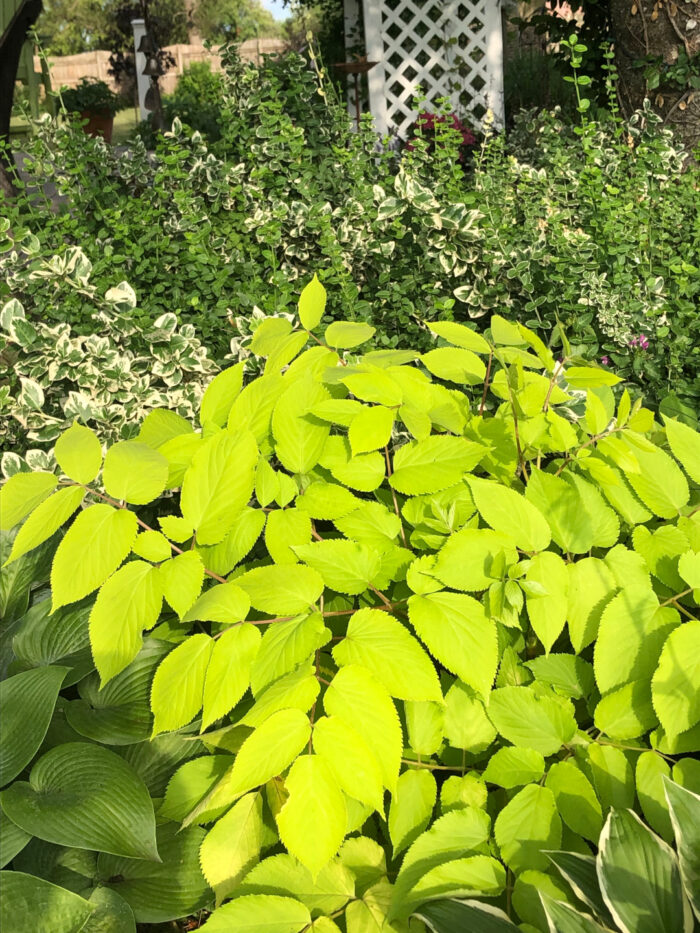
x,y
382,629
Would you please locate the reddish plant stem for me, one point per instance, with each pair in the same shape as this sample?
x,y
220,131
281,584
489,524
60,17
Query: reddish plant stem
x,y
122,505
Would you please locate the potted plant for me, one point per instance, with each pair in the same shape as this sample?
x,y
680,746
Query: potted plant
x,y
95,103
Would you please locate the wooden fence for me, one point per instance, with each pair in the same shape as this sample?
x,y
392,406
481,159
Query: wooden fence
x,y
69,69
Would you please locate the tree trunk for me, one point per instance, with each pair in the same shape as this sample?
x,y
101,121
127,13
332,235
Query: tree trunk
x,y
11,43
660,29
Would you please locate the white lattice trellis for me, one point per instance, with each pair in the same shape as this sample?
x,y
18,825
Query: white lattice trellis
x,y
447,48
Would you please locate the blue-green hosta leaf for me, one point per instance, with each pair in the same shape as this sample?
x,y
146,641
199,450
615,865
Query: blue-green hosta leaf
x,y
282,589
218,484
314,799
119,713
531,721
450,915
220,395
127,603
346,566
228,673
352,762
526,826
506,510
232,846
111,913
42,639
85,796
177,692
357,698
639,878
46,519
154,761
685,444
161,891
412,806
513,767
22,493
32,905
684,807
675,687
78,452
12,839
284,646
93,547
575,798
459,634
134,472
452,836
259,913
433,464
27,700
381,644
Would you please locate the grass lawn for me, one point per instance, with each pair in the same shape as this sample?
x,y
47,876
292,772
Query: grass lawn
x,y
124,123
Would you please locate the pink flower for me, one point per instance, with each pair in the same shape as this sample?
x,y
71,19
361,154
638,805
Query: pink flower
x,y
641,341
605,360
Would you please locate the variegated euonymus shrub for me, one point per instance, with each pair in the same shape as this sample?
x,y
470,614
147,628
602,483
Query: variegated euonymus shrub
x,y
412,621
110,378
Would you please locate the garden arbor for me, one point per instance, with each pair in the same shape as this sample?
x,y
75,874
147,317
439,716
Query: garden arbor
x,y
447,48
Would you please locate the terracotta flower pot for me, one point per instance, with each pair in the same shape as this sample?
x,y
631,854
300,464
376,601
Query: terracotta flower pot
x,y
100,123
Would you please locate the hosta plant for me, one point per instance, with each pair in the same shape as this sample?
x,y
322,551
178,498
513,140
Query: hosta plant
x,y
413,621
635,883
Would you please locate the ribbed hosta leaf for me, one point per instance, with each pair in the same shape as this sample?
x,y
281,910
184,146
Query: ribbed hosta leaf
x,y
32,905
85,796
61,638
161,891
27,701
